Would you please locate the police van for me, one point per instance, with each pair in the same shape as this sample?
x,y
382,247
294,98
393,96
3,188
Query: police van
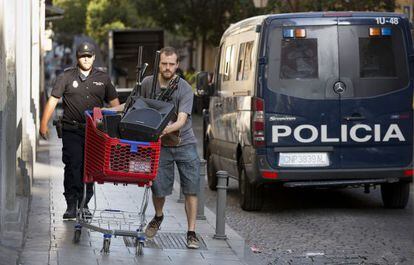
x,y
313,100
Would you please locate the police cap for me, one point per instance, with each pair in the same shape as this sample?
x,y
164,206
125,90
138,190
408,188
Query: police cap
x,y
85,48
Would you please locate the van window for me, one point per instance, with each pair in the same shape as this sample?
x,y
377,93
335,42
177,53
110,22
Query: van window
x,y
376,57
228,63
303,67
244,65
299,58
374,65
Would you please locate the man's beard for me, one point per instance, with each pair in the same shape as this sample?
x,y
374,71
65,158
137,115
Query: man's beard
x,y
82,67
167,78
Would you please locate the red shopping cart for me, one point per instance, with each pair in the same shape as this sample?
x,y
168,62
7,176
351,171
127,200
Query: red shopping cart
x,y
116,161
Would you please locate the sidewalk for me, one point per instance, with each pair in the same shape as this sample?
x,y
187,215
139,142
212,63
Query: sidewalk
x,y
49,238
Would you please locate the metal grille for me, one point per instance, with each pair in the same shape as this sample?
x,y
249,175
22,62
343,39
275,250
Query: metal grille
x,y
166,241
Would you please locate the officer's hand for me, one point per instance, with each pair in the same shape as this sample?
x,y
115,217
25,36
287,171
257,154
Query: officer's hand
x,y
44,132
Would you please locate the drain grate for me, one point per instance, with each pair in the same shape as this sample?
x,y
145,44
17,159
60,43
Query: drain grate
x,y
166,241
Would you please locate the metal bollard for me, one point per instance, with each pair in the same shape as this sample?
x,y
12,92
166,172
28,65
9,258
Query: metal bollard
x,y
222,177
201,197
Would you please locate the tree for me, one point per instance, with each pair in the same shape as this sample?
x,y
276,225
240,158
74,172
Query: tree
x,y
105,15
330,5
203,20
73,21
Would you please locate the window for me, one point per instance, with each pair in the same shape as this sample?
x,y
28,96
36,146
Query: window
x,y
244,65
376,58
299,59
303,67
228,63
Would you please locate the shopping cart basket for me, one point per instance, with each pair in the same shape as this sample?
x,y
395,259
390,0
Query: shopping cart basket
x,y
120,162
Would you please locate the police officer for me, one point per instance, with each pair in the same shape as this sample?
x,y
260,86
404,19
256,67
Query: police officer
x,y
81,88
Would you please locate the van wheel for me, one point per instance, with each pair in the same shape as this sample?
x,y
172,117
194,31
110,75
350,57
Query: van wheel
x,y
211,171
250,194
395,195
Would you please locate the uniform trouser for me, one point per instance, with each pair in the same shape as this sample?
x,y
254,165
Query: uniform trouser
x,y
73,158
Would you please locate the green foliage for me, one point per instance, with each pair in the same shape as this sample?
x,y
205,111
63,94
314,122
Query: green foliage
x,y
105,15
288,6
196,19
73,21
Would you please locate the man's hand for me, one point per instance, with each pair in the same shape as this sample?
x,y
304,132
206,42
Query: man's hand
x,y
44,132
47,113
166,131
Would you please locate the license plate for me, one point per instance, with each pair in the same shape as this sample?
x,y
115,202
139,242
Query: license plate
x,y
139,166
303,160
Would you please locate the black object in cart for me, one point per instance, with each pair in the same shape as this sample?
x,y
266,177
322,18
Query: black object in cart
x,y
142,119
145,120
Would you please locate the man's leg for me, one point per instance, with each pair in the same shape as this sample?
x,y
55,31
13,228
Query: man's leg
x,y
188,165
158,205
154,225
161,187
191,211
70,157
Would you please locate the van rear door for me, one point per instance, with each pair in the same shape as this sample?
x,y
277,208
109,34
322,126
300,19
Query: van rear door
x,y
376,102
302,111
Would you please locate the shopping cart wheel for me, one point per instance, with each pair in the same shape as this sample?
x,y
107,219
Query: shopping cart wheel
x,y
77,234
106,244
139,251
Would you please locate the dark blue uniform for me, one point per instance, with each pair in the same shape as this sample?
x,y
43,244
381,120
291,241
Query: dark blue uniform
x,y
79,93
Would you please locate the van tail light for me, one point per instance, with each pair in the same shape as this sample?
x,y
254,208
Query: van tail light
x,y
270,174
258,122
408,173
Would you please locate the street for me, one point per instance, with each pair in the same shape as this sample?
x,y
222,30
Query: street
x,y
320,226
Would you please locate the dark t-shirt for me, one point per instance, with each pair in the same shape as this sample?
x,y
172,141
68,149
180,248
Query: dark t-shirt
x,y
182,99
80,94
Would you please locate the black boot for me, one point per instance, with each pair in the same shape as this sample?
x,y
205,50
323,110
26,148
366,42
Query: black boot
x,y
71,210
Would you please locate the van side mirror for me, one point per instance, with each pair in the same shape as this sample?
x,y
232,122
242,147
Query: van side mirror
x,y
203,88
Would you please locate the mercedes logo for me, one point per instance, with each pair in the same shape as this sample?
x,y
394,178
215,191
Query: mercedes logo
x,y
339,87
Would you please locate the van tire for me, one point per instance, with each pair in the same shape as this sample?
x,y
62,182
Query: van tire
x,y
250,193
395,195
211,171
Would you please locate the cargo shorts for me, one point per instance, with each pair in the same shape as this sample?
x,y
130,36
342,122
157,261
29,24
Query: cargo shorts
x,y
188,165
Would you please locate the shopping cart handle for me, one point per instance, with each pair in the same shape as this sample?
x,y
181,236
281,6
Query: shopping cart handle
x,y
134,145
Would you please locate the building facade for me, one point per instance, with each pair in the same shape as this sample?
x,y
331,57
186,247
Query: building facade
x,y
21,30
405,7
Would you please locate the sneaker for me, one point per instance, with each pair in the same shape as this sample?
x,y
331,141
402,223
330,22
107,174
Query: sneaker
x,y
153,226
192,241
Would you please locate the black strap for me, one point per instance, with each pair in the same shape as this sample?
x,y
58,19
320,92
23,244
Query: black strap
x,y
67,124
165,95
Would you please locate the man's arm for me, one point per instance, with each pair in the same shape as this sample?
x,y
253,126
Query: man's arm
x,y
116,107
176,126
47,113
